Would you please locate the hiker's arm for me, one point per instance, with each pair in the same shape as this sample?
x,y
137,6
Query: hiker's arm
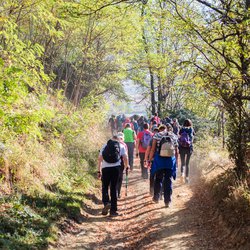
x,y
193,134
137,146
152,151
147,157
125,160
100,159
134,136
176,155
147,153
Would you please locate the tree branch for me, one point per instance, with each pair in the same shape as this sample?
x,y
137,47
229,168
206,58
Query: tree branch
x,y
112,3
211,7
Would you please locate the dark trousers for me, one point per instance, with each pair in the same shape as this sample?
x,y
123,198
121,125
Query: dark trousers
x,y
131,147
120,179
144,171
185,154
109,178
151,183
163,178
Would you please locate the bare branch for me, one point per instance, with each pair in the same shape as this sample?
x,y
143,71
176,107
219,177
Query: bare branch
x,y
211,6
112,3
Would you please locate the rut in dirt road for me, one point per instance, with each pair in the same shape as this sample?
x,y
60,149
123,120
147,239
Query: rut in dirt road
x,y
144,224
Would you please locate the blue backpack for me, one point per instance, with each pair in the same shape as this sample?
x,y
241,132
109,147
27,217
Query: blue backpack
x,y
146,138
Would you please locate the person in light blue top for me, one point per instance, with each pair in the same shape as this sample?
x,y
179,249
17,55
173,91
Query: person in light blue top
x,y
164,167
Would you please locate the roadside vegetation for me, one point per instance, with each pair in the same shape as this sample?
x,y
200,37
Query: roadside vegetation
x,y
45,179
60,64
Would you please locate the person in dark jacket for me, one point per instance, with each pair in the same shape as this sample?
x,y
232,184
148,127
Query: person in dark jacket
x,y
186,138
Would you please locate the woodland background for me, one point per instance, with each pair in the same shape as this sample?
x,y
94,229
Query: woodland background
x,y
62,60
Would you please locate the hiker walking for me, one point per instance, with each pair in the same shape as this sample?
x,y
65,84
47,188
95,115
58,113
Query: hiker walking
x,y
119,121
140,122
128,121
155,118
164,151
120,136
167,119
109,164
143,139
176,126
112,124
129,139
153,126
148,163
186,137
136,126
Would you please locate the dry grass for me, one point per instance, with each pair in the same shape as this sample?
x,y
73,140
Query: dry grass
x,y
230,196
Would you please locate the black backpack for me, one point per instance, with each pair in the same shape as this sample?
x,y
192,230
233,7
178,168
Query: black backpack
x,y
111,152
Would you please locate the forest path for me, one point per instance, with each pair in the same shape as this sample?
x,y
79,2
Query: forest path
x,y
144,224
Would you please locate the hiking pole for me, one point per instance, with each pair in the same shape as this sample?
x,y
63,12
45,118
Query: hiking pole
x,y
126,190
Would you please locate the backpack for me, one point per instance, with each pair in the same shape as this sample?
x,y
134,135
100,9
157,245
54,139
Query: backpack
x,y
111,153
184,140
146,138
166,147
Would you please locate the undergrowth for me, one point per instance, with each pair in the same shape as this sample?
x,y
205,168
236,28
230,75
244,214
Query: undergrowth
x,y
46,168
31,221
230,196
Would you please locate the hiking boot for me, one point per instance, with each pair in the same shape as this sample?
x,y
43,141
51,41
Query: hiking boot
x,y
113,214
106,208
167,204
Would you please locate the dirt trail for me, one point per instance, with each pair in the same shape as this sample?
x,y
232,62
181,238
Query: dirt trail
x,y
144,224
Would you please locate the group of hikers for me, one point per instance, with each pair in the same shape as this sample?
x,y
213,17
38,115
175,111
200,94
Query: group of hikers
x,y
158,143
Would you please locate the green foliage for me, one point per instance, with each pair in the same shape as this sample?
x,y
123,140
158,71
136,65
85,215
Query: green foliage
x,y
81,50
217,38
31,221
200,124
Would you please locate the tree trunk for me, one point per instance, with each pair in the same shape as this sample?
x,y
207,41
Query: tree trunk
x,y
152,91
146,49
223,128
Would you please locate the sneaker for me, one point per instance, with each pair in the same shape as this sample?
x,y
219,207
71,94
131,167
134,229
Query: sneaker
x,y
167,204
106,209
113,214
186,180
